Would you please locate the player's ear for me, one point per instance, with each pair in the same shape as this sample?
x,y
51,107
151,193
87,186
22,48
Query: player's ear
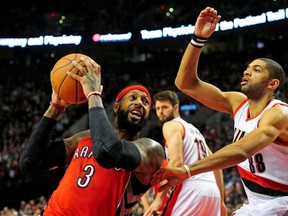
x,y
115,107
274,83
176,107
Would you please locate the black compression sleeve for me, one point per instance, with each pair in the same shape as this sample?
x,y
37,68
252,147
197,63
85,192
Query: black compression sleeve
x,y
55,155
108,150
38,152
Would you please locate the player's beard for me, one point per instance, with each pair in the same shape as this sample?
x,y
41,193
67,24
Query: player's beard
x,y
125,124
254,91
169,118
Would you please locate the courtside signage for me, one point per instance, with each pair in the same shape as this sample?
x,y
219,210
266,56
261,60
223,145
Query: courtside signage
x,y
165,32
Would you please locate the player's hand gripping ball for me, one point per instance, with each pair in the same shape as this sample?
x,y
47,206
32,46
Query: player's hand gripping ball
x,y
64,86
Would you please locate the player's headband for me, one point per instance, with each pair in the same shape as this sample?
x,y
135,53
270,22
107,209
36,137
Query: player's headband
x,y
133,87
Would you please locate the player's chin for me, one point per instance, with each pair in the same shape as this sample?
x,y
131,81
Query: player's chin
x,y
137,122
135,118
134,121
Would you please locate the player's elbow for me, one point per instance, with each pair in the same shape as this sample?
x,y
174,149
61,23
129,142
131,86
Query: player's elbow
x,y
29,166
242,155
103,158
178,84
185,86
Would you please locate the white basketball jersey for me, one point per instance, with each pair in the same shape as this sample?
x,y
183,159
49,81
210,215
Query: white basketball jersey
x,y
194,148
199,194
266,172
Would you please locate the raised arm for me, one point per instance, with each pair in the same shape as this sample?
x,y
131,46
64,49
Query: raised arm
x,y
41,151
187,79
108,150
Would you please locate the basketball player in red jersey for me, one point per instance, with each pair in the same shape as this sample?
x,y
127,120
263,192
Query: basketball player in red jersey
x,y
260,144
106,174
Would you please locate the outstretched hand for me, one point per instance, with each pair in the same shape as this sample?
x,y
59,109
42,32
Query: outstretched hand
x,y
91,79
168,177
206,22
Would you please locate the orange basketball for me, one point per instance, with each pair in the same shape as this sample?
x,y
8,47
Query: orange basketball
x,y
64,86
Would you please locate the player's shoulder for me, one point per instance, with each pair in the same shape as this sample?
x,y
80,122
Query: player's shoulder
x,y
150,146
145,141
279,109
235,98
276,115
174,123
276,104
152,154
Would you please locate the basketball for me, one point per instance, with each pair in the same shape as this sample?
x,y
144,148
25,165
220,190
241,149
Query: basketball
x,y
64,86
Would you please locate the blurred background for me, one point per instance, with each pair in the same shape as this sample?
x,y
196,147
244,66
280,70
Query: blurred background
x,y
25,85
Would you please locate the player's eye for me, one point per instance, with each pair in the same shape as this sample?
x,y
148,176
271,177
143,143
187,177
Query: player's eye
x,y
145,101
132,97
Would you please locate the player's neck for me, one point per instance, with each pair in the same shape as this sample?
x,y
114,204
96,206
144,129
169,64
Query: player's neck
x,y
256,106
127,135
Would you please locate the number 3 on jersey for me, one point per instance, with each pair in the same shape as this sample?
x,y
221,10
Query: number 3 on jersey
x,y
89,171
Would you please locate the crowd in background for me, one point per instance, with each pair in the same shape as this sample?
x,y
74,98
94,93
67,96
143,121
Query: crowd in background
x,y
25,94
92,16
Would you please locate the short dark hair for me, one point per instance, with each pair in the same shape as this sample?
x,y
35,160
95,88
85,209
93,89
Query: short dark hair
x,y
167,95
275,70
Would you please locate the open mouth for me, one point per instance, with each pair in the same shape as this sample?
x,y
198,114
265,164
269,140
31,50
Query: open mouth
x,y
136,114
244,81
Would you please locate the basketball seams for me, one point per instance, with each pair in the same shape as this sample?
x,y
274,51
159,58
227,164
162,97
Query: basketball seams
x,y
78,84
64,86
64,79
60,67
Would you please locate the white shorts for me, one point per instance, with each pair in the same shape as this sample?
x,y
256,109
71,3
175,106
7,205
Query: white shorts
x,y
196,198
273,207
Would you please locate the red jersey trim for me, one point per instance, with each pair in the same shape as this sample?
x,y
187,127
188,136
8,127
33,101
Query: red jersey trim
x,y
168,209
264,182
184,131
241,104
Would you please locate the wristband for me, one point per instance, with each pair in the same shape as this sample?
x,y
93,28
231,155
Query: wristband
x,y
187,170
94,93
198,41
57,106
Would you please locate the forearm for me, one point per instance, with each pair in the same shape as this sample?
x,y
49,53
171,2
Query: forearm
x,y
36,154
53,113
228,156
108,150
162,194
145,200
187,73
95,101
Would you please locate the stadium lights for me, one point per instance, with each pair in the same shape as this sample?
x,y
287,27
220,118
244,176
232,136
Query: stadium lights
x,y
165,32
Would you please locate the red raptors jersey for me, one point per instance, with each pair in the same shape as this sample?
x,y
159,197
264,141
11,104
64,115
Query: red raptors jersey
x,y
87,188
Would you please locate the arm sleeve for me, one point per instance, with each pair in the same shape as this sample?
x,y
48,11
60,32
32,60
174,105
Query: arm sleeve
x,y
108,150
39,153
